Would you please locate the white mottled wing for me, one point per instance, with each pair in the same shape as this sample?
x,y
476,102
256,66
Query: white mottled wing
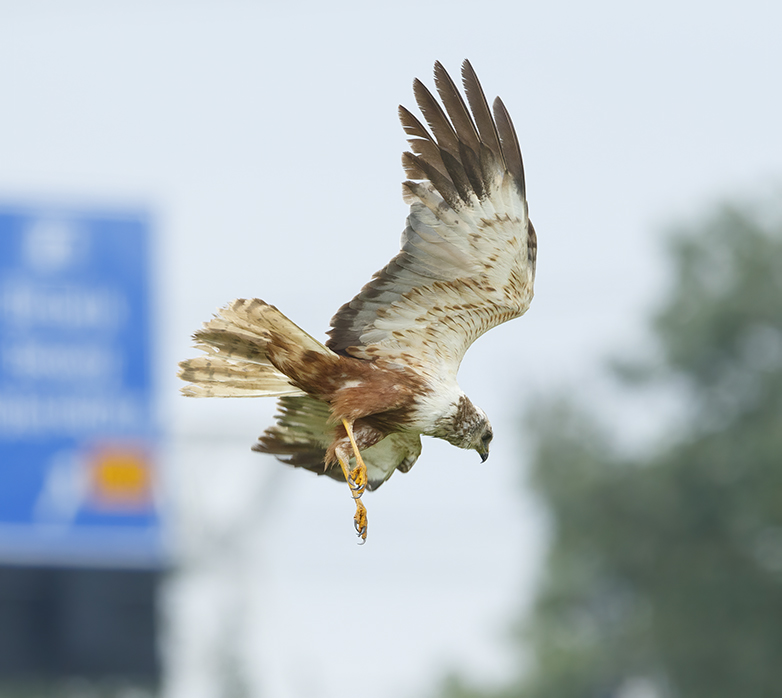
x,y
467,261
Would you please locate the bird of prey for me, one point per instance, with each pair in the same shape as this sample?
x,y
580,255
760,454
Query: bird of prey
x,y
355,408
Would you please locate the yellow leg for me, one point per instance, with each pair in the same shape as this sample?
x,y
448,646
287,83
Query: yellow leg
x,y
358,476
357,481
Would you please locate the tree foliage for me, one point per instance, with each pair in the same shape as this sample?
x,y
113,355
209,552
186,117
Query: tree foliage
x,y
664,575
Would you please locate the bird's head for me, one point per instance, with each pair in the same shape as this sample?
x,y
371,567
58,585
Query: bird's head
x,y
486,436
468,427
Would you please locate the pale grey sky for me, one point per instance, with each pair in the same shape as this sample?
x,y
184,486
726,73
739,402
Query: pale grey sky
x,y
265,142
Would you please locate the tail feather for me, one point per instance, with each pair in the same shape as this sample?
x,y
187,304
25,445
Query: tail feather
x,y
237,362
211,376
228,342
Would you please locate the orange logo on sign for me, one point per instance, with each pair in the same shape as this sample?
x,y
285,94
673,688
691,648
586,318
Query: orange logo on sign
x,y
121,478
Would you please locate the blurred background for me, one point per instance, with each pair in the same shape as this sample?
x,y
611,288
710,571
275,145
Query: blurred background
x,y
625,538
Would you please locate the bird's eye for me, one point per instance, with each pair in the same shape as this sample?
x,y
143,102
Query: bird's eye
x,y
486,438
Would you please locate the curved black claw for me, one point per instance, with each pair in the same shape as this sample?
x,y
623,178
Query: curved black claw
x,y
362,534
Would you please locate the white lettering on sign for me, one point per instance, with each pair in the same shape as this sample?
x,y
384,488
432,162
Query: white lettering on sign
x,y
62,307
26,415
61,362
52,245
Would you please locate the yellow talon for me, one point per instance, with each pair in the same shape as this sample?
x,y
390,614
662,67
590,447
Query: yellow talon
x,y
358,481
360,521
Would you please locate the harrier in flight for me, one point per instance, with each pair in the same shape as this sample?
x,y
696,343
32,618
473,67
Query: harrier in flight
x,y
355,408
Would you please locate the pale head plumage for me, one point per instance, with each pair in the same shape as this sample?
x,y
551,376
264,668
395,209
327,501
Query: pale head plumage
x,y
465,426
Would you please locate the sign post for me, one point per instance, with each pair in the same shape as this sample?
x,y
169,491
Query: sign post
x,y
77,431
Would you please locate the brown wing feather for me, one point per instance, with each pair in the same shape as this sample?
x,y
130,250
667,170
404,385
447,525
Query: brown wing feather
x,y
443,131
510,144
480,109
456,108
301,435
304,431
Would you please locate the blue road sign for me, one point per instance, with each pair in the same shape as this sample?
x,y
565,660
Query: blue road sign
x,y
77,433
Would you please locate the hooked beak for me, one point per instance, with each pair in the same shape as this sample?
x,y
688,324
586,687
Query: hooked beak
x,y
484,456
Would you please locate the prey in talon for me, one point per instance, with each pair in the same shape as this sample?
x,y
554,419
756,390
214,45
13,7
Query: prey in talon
x,y
387,374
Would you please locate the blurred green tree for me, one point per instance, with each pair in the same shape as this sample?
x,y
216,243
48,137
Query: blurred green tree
x,y
664,574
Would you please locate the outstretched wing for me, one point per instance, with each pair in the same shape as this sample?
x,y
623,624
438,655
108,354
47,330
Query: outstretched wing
x,y
467,261
304,431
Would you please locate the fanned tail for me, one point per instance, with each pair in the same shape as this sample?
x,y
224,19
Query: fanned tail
x,y
236,343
